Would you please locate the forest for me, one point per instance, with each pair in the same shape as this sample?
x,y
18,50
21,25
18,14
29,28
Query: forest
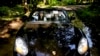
x,y
87,11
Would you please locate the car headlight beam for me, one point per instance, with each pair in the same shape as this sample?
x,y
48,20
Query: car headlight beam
x,y
83,46
20,46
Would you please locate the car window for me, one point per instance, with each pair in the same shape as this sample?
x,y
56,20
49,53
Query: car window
x,y
53,15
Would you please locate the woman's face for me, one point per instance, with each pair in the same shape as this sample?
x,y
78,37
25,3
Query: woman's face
x,y
41,15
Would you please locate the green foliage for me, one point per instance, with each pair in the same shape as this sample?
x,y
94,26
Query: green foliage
x,y
4,11
52,2
17,10
90,17
68,2
87,14
63,2
10,12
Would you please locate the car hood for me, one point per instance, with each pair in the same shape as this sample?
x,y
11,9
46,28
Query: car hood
x,y
45,24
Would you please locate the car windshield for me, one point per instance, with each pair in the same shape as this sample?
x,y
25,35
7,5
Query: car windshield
x,y
50,15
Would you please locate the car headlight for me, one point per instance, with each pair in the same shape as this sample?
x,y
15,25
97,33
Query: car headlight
x,y
20,46
83,46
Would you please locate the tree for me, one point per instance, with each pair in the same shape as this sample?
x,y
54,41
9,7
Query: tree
x,y
44,1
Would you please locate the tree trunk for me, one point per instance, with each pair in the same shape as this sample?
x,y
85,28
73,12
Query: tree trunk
x,y
44,1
